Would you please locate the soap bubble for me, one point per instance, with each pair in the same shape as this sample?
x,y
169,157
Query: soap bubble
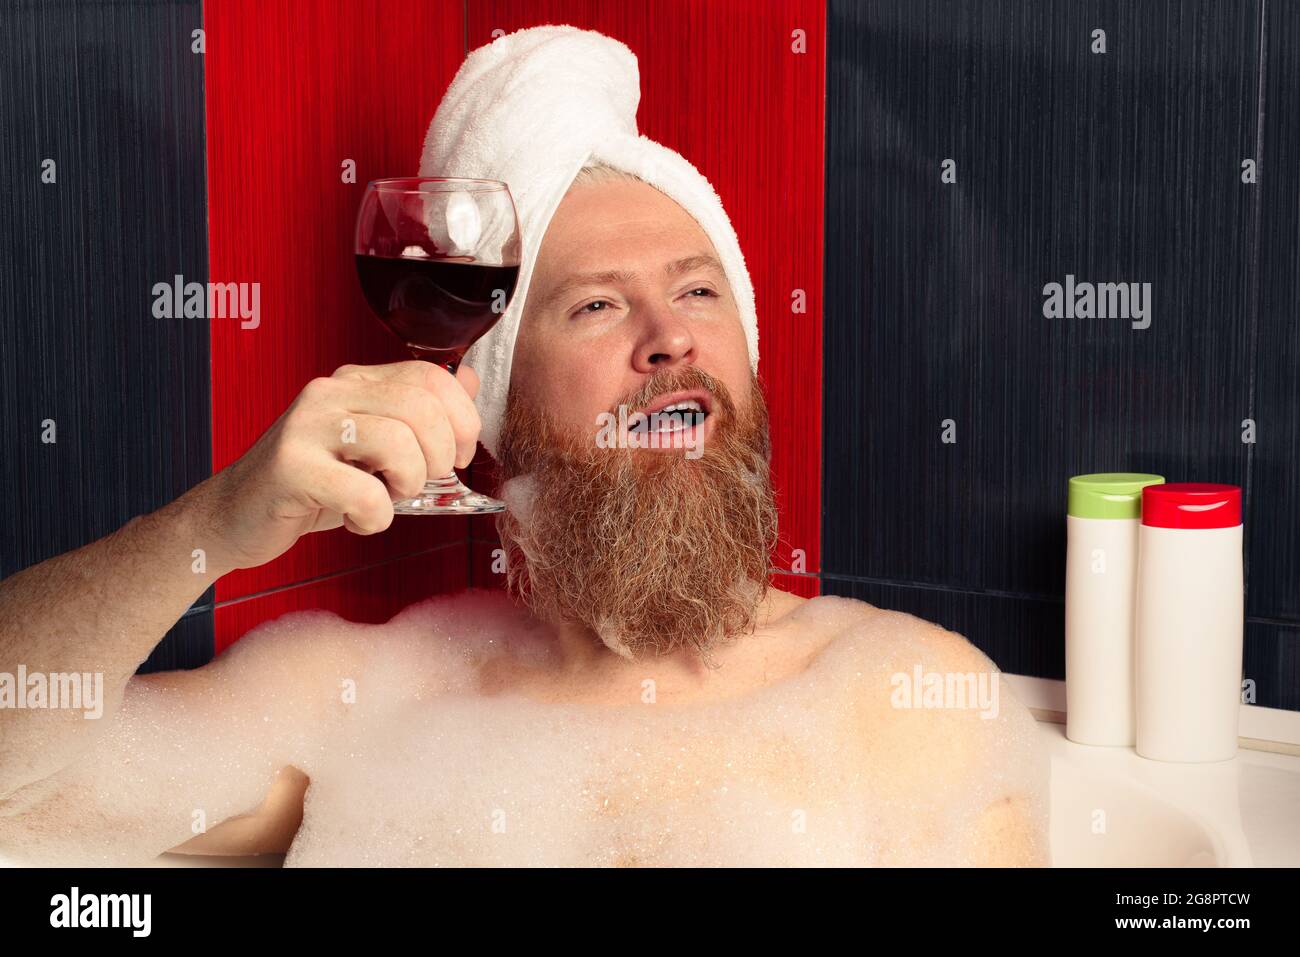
x,y
421,765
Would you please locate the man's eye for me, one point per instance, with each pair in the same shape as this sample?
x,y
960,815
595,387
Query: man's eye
x,y
588,310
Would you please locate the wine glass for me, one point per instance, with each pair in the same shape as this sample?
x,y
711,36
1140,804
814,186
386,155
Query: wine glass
x,y
438,258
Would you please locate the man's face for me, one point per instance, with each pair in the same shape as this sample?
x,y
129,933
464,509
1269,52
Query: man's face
x,y
587,344
653,545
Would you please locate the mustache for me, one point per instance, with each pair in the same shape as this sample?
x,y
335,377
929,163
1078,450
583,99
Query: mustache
x,y
534,436
677,380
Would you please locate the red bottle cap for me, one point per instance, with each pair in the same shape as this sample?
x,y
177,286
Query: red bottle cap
x,y
1191,505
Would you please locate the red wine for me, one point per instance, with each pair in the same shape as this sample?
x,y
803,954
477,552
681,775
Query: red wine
x,y
437,307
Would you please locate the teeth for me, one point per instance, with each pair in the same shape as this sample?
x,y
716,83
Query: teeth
x,y
689,405
688,413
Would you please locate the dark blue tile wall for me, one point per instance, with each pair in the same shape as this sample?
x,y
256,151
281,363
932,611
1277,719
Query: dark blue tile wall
x,y
1115,166
113,94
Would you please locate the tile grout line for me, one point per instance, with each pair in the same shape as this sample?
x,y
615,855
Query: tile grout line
x,y
1256,277
199,609
1013,596
929,586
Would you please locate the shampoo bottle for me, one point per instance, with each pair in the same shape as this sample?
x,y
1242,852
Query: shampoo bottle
x,y
1103,516
1190,617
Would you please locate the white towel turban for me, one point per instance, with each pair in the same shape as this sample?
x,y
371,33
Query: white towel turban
x,y
531,109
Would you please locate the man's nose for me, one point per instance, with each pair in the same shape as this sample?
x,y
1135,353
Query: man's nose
x,y
665,342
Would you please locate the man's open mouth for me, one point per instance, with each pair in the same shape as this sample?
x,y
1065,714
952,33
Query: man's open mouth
x,y
672,413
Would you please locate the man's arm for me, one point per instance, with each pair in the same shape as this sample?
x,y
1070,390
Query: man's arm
x,y
203,761
99,610
346,447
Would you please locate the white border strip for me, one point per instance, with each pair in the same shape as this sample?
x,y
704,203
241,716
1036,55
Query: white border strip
x,y
1263,724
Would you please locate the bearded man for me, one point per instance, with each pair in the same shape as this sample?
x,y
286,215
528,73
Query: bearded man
x,y
643,694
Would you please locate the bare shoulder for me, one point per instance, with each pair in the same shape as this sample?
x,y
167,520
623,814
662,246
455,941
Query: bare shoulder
x,y
880,633
936,711
779,605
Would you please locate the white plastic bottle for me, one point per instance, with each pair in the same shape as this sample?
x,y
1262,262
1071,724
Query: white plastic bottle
x,y
1190,618
1102,520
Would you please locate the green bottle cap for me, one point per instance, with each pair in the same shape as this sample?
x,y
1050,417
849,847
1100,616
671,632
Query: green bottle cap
x,y
1109,494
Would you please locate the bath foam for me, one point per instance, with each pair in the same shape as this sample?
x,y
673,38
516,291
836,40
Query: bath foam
x,y
410,765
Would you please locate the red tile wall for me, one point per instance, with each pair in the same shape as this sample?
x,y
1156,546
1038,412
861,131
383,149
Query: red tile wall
x,y
294,89
371,595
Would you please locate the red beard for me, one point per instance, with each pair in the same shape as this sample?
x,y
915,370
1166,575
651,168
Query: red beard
x,y
653,551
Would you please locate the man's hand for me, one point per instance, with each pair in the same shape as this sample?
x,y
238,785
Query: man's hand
x,y
347,447
339,455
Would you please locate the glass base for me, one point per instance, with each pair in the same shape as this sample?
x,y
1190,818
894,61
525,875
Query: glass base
x,y
448,496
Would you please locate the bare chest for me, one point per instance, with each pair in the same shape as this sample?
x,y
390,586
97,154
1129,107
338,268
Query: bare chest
x,y
508,781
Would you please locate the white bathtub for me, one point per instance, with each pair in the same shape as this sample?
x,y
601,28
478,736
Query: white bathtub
x,y
1111,808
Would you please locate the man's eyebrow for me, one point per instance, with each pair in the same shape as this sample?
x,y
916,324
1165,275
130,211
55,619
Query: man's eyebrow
x,y
676,268
691,263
